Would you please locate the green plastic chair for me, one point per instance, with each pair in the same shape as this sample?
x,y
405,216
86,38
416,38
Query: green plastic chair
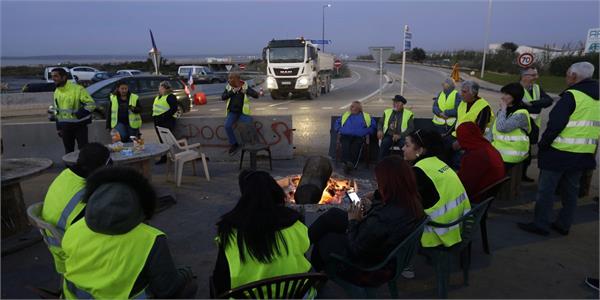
x,y
490,191
403,254
469,225
295,286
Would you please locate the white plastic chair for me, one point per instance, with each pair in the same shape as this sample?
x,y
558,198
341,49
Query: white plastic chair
x,y
34,212
180,153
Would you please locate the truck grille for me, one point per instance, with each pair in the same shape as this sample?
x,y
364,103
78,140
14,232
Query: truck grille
x,y
286,84
286,72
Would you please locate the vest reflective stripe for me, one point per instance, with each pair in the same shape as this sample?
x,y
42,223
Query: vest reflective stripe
x,y
583,129
452,205
160,105
366,117
532,98
246,105
68,99
76,199
135,120
514,145
471,115
50,240
445,103
81,294
387,114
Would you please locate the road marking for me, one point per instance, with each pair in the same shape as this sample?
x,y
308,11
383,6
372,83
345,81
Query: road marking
x,y
260,108
282,108
280,103
327,107
304,107
214,109
385,85
349,84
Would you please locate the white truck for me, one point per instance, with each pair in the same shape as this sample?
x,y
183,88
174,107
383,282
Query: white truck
x,y
297,67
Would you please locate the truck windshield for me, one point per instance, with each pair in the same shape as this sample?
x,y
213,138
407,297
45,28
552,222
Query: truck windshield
x,y
290,54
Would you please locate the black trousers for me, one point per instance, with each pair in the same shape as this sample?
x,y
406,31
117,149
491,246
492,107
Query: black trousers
x,y
328,235
351,146
72,133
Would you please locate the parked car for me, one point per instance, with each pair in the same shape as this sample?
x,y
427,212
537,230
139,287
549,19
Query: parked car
x,y
84,73
48,74
37,87
103,76
129,72
201,74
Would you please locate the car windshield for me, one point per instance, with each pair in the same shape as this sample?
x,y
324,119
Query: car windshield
x,y
289,54
135,72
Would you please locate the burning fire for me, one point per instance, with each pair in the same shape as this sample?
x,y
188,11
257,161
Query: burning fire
x,y
333,193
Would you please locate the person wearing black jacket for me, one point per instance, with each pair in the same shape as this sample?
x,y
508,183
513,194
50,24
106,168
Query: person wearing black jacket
x,y
238,106
562,158
163,111
123,97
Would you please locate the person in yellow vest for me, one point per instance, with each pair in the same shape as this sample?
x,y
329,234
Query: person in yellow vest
x,y
567,149
393,126
535,100
62,204
443,195
445,106
260,237
512,125
353,129
164,110
74,107
237,93
112,253
125,110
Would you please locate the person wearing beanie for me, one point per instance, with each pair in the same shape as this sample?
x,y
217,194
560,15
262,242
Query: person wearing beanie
x,y
510,132
112,253
393,126
62,204
445,106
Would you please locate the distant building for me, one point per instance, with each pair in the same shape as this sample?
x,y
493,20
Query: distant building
x,y
538,52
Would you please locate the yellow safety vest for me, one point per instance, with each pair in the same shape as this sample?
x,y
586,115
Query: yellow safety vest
x,y
68,99
582,131
366,116
537,118
101,266
61,205
135,119
161,106
387,114
246,105
291,262
453,203
462,115
445,103
514,145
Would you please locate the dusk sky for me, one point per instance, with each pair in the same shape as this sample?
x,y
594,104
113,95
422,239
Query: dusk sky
x,y
32,28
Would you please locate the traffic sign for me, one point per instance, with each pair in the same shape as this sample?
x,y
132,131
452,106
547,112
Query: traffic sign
x,y
407,45
242,67
228,67
321,42
337,64
525,60
592,43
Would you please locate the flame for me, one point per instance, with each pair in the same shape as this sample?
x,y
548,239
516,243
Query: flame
x,y
333,193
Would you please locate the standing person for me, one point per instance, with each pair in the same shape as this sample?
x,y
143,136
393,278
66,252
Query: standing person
x,y
445,106
353,128
164,111
535,100
112,253
238,106
74,108
566,149
393,126
510,132
125,112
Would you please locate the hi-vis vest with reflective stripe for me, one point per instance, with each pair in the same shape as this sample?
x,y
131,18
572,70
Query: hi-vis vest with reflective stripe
x,y
514,145
445,103
246,106
291,262
366,116
68,99
532,98
100,266
135,120
581,133
161,106
452,205
61,205
462,115
387,114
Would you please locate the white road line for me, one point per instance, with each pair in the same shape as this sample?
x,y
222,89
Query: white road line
x,y
214,109
260,108
326,107
280,103
385,85
282,108
304,107
349,84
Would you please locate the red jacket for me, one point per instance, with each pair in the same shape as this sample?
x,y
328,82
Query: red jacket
x,y
481,165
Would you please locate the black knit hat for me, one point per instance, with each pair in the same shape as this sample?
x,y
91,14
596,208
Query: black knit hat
x,y
399,98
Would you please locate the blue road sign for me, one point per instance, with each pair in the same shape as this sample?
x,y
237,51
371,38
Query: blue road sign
x,y
408,35
321,42
406,45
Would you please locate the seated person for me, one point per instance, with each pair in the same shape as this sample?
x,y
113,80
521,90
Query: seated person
x,y
443,196
353,127
112,253
260,237
393,126
62,205
481,164
392,214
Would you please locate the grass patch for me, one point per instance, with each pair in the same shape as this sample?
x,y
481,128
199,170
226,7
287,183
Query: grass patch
x,y
549,83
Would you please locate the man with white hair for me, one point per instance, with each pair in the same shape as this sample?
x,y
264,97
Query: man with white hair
x,y
566,150
445,106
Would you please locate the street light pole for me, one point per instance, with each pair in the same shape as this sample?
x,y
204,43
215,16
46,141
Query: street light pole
x,y
487,36
323,32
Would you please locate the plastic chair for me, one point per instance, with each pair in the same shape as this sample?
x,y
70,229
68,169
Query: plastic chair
x,y
180,153
252,144
34,212
469,224
364,152
296,286
491,191
402,255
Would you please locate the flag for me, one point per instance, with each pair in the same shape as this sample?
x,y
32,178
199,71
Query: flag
x,y
191,80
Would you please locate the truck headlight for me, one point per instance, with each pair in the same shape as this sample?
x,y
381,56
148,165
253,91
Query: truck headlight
x,y
271,83
302,82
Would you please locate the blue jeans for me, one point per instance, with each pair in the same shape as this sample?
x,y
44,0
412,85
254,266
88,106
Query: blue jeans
x,y
126,131
231,119
567,183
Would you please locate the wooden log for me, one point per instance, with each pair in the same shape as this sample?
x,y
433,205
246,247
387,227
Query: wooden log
x,y
315,175
14,217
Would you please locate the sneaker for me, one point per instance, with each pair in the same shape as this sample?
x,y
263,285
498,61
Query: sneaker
x,y
592,282
530,227
234,149
527,179
559,229
408,272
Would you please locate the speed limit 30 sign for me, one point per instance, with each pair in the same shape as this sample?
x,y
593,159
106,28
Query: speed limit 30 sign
x,y
525,60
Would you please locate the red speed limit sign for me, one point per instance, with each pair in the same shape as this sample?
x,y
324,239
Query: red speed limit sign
x,y
525,60
337,64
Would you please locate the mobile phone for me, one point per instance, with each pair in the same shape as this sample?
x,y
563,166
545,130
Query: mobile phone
x,y
353,197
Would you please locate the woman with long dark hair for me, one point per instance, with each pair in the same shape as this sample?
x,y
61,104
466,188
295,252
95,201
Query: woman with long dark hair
x,y
124,113
260,237
366,238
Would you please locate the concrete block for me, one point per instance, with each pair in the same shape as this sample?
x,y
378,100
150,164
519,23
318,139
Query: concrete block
x,y
22,104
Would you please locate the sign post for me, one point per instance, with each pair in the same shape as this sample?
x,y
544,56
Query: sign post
x,y
407,47
381,54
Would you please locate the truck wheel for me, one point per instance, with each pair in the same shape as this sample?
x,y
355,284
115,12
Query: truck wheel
x,y
313,91
276,96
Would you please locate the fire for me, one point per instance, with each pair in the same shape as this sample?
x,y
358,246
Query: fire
x,y
333,193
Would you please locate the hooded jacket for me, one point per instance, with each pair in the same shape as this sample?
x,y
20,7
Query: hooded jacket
x,y
553,159
481,165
